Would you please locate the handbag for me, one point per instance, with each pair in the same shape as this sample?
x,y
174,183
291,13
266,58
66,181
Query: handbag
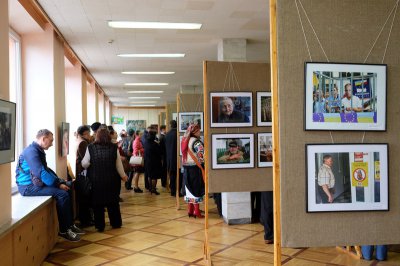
x,y
83,185
136,160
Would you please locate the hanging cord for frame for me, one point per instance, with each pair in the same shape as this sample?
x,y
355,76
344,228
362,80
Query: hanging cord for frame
x,y
304,33
362,140
330,133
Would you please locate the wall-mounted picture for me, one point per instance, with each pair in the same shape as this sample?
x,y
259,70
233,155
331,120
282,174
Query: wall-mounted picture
x,y
117,120
231,151
136,125
180,141
185,119
264,112
7,131
231,109
264,149
347,177
64,139
345,97
175,116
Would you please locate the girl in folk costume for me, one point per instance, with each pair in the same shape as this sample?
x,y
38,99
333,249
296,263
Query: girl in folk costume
x,y
193,166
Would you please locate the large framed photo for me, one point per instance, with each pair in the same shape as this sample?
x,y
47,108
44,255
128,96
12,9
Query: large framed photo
x,y
135,125
345,97
64,139
264,149
185,119
232,151
231,109
7,131
347,177
264,112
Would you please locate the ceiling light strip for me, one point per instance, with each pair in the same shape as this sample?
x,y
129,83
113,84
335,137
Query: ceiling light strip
x,y
153,25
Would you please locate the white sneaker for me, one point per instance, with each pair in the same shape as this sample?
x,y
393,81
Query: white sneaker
x,y
77,230
69,235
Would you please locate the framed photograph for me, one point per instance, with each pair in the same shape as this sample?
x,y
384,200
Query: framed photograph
x,y
264,149
185,119
230,151
175,116
180,141
7,131
345,97
347,177
135,125
264,112
117,120
231,109
64,139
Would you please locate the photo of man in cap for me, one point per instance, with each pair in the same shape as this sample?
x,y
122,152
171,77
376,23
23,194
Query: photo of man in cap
x,y
233,154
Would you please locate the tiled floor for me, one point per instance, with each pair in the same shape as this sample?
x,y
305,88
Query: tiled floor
x,y
155,233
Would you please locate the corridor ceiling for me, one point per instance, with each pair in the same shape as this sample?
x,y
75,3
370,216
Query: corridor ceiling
x,y
83,24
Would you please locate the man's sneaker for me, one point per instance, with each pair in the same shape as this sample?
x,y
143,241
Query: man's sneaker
x,y
69,235
77,230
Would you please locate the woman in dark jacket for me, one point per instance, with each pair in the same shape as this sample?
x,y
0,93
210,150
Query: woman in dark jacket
x,y
105,170
152,158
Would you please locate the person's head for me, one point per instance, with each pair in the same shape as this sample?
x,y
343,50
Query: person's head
x,y
83,132
102,136
131,132
233,147
328,160
138,133
226,106
193,131
163,128
173,124
123,133
95,126
348,90
151,136
44,138
335,91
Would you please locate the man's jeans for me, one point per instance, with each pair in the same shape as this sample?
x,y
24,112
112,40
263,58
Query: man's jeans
x,y
63,202
368,251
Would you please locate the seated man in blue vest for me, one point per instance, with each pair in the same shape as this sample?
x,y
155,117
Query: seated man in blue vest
x,y
34,178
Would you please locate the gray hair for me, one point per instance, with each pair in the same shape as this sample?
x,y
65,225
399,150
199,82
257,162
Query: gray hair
x,y
43,132
223,99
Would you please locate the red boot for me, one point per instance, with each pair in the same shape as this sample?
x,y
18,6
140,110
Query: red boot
x,y
190,209
197,212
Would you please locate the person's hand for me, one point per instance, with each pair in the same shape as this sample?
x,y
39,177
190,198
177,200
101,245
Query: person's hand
x,y
64,187
330,198
125,178
235,156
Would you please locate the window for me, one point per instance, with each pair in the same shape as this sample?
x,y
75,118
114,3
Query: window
x,y
16,96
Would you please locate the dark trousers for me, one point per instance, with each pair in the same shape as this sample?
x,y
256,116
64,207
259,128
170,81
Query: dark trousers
x,y
114,214
172,181
84,209
63,202
267,214
255,206
322,194
164,173
218,201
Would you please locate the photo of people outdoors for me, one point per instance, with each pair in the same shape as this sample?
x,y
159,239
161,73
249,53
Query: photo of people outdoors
x,y
232,151
185,119
350,96
231,109
136,125
264,112
264,149
344,177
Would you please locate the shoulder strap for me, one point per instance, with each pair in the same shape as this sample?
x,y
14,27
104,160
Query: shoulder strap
x,y
194,157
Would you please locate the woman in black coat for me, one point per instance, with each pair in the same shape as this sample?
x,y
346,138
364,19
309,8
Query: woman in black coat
x,y
152,157
105,171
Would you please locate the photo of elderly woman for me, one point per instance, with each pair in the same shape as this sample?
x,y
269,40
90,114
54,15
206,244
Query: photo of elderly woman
x,y
231,109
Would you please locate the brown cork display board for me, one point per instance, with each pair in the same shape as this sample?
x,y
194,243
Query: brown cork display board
x,y
248,77
346,31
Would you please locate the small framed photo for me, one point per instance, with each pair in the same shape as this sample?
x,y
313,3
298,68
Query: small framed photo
x,y
231,109
64,139
185,119
264,149
230,151
136,125
345,97
347,177
264,111
7,131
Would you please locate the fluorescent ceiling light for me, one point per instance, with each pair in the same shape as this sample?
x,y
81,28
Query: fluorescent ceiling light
x,y
146,84
153,25
151,55
143,102
145,97
145,91
143,105
148,72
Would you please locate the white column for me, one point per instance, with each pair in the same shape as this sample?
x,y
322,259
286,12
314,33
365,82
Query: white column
x,y
235,205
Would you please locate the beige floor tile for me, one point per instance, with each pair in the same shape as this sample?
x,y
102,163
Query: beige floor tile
x,y
222,235
248,256
47,264
143,240
90,249
94,237
168,213
174,228
300,262
112,253
318,256
86,261
138,210
119,231
139,222
143,259
64,257
250,227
